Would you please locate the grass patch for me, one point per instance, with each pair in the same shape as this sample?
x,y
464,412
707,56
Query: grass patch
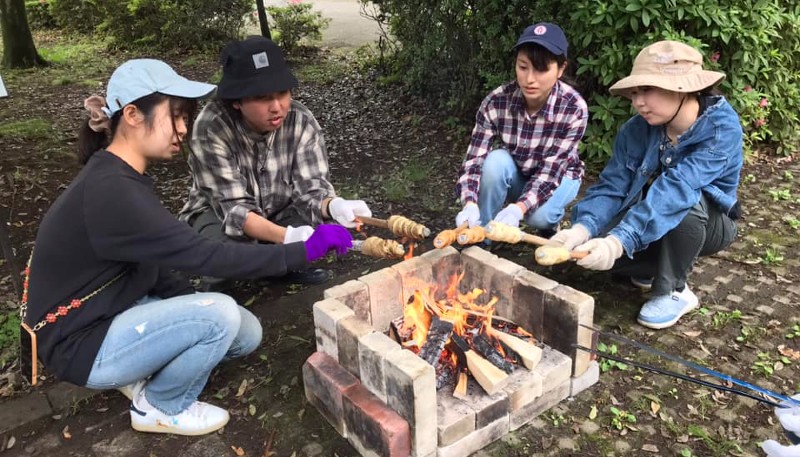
x,y
29,129
9,334
325,71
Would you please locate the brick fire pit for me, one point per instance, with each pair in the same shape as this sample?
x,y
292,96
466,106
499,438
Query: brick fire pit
x,y
383,398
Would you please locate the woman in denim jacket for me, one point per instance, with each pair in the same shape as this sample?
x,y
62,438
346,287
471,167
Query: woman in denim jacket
x,y
668,193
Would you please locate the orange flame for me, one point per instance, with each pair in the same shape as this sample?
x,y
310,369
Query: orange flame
x,y
409,252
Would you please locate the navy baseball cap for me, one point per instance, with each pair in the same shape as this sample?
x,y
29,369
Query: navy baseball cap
x,y
545,34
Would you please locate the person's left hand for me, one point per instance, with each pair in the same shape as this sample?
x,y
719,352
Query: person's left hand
x,y
602,253
345,211
510,215
790,419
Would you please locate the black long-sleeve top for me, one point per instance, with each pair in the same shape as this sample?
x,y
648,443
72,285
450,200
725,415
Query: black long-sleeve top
x,y
110,220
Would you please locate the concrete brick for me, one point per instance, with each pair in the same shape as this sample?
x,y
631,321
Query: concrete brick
x,y
476,440
325,382
348,331
527,296
327,313
372,349
385,297
487,408
372,427
23,410
411,391
491,273
456,419
589,378
547,400
415,274
64,394
444,264
354,295
554,368
523,387
565,310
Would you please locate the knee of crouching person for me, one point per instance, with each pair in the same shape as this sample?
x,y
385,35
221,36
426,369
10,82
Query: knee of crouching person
x,y
223,309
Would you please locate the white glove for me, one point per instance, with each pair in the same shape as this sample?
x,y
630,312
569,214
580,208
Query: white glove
x,y
790,419
345,211
470,214
510,215
571,237
603,253
295,234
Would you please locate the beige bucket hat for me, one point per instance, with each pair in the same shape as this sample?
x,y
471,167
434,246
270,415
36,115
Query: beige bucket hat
x,y
670,65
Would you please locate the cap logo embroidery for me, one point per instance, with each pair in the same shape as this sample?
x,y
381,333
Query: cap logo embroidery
x,y
663,58
540,30
260,60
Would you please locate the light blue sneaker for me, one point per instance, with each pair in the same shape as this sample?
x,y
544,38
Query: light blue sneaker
x,y
643,282
664,310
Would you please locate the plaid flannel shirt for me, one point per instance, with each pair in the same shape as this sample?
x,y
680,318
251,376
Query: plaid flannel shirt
x,y
543,145
236,171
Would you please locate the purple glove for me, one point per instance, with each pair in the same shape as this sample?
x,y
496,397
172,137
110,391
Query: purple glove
x,y
328,237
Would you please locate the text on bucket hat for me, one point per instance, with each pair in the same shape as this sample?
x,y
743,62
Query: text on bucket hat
x,y
253,67
545,34
669,65
139,78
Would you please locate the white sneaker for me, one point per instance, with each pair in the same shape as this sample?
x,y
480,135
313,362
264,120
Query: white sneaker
x,y
198,419
132,390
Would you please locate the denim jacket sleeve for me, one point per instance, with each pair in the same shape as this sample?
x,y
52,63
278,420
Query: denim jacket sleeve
x,y
605,198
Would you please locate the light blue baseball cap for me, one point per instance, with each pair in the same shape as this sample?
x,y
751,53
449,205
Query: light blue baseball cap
x,y
139,78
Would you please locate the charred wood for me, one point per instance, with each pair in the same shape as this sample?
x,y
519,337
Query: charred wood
x,y
485,348
438,335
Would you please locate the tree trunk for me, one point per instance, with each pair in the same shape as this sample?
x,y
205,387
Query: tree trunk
x,y
262,19
18,48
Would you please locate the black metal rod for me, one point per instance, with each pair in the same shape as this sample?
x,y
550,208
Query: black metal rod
x,y
678,375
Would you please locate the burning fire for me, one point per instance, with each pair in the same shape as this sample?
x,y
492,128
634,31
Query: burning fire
x,y
428,326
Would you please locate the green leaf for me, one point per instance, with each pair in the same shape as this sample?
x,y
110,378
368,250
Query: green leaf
x,y
593,413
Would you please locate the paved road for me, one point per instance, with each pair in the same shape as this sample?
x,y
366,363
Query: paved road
x,y
348,29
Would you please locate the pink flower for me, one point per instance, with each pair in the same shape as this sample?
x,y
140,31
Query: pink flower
x,y
715,57
295,2
764,103
760,123
748,88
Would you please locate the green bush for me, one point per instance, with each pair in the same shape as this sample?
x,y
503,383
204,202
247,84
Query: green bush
x,y
39,15
454,52
295,22
81,16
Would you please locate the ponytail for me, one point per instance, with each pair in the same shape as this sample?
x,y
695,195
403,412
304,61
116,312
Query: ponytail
x,y
90,141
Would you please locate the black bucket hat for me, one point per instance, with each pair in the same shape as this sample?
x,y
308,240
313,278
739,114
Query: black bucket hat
x,y
253,67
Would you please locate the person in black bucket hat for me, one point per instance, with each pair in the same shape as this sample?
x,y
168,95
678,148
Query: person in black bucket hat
x,y
258,159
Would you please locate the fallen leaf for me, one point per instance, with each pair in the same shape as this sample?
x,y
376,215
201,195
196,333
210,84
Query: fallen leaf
x,y
682,439
655,407
789,352
614,401
692,333
704,349
238,450
11,442
242,388
593,413
66,434
252,409
650,448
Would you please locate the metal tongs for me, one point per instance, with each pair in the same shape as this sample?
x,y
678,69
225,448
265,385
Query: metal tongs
x,y
788,402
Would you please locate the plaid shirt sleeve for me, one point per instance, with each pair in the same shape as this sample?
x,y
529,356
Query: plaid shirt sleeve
x,y
217,174
545,180
479,146
310,173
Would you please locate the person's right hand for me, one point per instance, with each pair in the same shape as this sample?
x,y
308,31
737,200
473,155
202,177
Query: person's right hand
x,y
328,237
790,419
295,234
571,237
470,214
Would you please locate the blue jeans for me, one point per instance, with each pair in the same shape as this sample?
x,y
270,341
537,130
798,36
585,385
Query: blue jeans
x,y
501,180
177,342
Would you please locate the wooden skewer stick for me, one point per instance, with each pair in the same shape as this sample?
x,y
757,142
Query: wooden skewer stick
x,y
530,354
398,225
544,255
447,237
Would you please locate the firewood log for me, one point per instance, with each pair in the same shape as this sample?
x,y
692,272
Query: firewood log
x,y
530,354
491,378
